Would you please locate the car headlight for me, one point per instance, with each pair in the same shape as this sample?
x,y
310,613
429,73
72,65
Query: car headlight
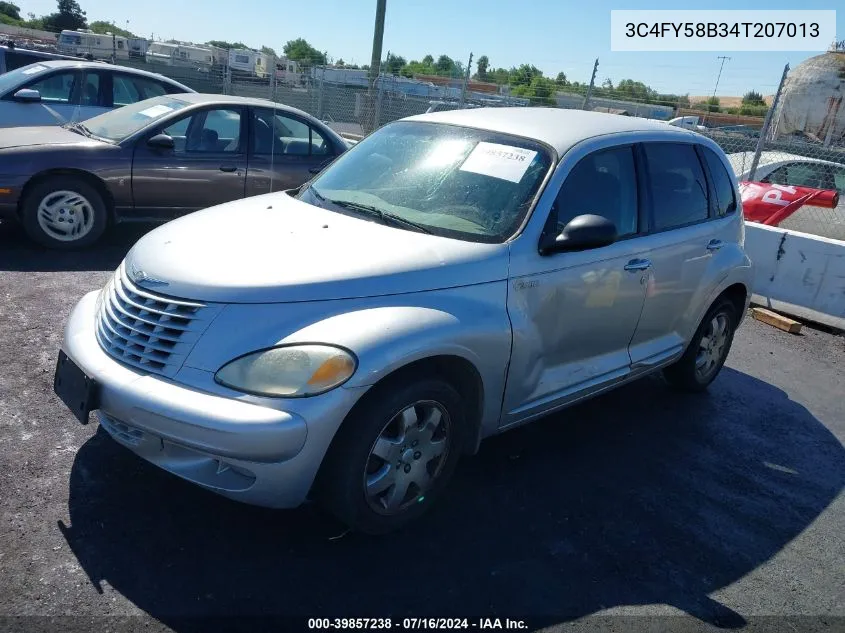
x,y
293,371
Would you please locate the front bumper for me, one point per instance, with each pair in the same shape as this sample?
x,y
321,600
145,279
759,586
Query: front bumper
x,y
248,452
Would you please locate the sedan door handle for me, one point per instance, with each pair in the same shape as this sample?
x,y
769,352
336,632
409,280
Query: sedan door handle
x,y
715,245
637,264
228,168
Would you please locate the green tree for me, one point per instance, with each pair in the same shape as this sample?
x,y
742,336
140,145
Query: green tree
x,y
481,66
445,65
753,98
268,51
560,80
69,16
540,90
226,45
301,51
428,60
394,64
607,84
103,27
11,10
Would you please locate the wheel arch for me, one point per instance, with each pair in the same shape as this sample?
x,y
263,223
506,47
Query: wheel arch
x,y
83,175
458,371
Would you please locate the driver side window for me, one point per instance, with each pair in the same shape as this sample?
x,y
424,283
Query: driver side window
x,y
603,183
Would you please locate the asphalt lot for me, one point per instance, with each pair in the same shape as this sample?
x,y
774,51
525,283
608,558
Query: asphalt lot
x,y
727,506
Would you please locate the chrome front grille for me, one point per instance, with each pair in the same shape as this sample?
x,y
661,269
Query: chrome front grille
x,y
151,332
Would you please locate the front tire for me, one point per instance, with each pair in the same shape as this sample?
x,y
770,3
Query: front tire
x,y
708,350
394,456
64,213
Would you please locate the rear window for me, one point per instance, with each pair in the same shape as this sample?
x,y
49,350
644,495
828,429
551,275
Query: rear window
x,y
678,187
725,202
19,59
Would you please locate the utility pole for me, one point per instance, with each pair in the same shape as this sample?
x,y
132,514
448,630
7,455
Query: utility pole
x,y
766,123
466,81
716,87
592,83
375,61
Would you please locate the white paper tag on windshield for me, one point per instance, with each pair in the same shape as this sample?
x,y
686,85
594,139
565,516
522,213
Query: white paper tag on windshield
x,y
156,110
499,161
33,70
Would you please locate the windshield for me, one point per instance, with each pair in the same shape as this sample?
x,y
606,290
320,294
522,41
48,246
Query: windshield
x,y
123,122
71,39
454,181
11,80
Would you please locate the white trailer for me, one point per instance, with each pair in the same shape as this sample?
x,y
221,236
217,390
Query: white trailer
x,y
249,62
138,47
180,54
85,43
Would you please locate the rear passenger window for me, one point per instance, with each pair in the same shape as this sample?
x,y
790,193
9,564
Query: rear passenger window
x,y
678,187
605,184
124,91
722,183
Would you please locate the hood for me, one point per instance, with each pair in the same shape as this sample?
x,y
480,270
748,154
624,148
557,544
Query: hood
x,y
42,135
274,248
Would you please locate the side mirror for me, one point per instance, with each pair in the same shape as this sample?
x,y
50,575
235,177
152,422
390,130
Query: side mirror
x,y
27,95
161,141
582,233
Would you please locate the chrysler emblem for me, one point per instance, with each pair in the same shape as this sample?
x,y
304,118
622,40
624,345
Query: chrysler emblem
x,y
143,279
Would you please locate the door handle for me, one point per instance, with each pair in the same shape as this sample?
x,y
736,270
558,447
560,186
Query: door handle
x,y
715,245
228,168
637,264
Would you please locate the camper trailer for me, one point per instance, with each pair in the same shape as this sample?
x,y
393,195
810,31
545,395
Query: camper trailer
x,y
248,62
86,43
138,47
180,54
288,72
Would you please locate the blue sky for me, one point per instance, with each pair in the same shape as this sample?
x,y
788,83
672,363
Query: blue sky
x,y
554,35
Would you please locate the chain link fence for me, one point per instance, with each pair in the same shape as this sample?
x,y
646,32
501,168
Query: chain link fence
x,y
346,101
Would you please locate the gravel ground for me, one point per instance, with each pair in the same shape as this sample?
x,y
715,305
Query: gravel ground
x,y
727,507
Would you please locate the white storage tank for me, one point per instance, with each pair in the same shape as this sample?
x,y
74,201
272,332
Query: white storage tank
x,y
813,99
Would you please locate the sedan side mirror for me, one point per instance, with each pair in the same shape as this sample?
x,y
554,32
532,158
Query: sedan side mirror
x,y
161,141
582,233
27,95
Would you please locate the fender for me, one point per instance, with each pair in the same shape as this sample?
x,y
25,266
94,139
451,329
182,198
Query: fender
x,y
384,333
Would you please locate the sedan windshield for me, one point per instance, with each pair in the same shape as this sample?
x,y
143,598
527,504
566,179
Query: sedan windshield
x,y
123,122
443,179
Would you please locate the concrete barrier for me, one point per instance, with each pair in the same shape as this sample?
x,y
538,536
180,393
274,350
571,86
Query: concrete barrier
x,y
798,274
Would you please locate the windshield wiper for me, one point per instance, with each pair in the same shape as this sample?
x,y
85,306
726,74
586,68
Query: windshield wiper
x,y
385,216
79,128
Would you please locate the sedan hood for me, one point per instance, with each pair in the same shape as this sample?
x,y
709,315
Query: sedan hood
x,y
43,135
274,248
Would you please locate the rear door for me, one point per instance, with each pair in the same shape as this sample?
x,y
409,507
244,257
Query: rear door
x,y
206,167
283,150
685,235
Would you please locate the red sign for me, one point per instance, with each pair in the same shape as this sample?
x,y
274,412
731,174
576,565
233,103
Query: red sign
x,y
771,204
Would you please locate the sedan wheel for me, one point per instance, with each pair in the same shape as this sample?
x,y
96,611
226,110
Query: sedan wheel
x,y
64,212
65,216
407,457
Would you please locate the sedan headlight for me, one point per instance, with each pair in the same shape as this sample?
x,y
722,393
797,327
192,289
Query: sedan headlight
x,y
293,371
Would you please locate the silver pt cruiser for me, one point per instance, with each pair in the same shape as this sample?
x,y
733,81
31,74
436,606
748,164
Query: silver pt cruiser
x,y
454,275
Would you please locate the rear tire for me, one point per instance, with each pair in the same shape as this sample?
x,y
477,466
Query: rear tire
x,y
394,456
708,350
64,213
